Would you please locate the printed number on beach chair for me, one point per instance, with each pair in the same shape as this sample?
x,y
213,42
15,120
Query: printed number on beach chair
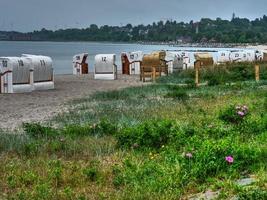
x,y
104,59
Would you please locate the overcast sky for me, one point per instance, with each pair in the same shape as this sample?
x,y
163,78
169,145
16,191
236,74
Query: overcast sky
x,y
29,15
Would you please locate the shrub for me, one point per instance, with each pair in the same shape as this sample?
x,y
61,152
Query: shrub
x,y
234,114
118,178
178,77
265,104
22,195
91,173
206,160
211,157
148,179
228,73
43,191
28,178
31,149
190,83
105,127
177,93
56,170
253,126
242,72
11,181
152,134
36,130
77,130
68,193
253,193
214,81
56,146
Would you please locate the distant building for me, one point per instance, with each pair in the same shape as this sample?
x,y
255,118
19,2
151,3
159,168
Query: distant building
x,y
19,37
184,39
3,36
233,16
12,35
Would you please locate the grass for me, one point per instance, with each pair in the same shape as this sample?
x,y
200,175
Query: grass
x,y
160,141
221,74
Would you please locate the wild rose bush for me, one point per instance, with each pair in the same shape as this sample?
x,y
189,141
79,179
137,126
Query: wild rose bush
x,y
234,114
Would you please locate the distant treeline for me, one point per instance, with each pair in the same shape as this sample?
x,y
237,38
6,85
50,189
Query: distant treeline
x,y
237,30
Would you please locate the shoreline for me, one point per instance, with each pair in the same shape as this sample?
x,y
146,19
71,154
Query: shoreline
x,y
171,44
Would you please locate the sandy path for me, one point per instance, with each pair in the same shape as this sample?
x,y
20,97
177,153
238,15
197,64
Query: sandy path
x,y
42,105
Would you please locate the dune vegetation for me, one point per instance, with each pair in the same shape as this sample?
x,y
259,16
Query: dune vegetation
x,y
166,140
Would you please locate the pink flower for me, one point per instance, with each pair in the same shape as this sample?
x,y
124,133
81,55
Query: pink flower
x,y
241,114
189,155
229,159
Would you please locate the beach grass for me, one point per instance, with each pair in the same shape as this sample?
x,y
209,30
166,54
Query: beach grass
x,y
160,141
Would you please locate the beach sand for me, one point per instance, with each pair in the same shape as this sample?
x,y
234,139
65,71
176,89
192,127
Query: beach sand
x,y
43,105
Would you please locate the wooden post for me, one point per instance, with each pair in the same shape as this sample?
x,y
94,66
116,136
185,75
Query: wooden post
x,y
257,72
197,73
1,84
141,72
153,73
31,80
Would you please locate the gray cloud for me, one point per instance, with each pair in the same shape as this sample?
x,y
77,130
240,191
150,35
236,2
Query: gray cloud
x,y
28,15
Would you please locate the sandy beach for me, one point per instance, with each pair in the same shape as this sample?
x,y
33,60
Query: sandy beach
x,y
43,105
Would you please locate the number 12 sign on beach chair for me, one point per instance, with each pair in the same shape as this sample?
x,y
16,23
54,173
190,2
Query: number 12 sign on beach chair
x,y
105,67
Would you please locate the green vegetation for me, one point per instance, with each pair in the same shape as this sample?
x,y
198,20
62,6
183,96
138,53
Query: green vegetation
x,y
159,141
238,30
